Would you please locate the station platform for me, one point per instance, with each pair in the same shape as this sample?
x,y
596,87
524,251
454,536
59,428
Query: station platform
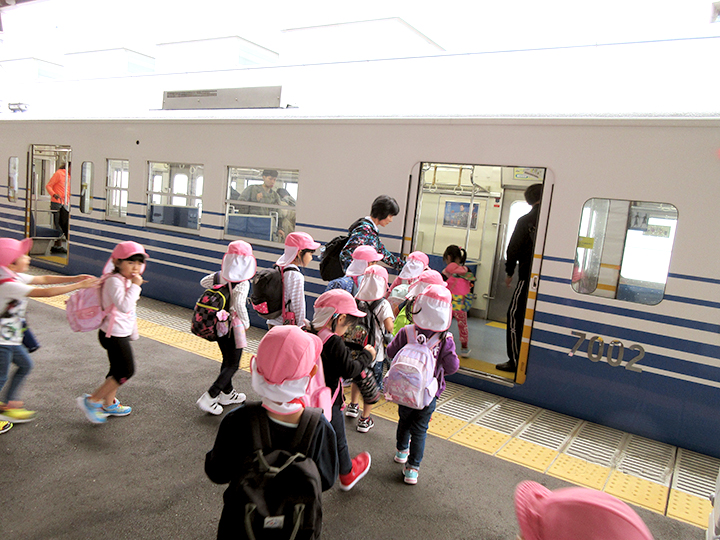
x,y
142,477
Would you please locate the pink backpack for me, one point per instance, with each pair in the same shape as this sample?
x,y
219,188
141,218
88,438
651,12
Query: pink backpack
x,y
84,310
317,393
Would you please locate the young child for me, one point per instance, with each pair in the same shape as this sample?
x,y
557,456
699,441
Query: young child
x,y
362,257
573,513
15,289
280,374
238,266
372,290
299,249
459,281
417,262
432,314
335,312
427,278
120,292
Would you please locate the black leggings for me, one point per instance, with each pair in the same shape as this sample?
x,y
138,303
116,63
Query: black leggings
x,y
122,363
230,365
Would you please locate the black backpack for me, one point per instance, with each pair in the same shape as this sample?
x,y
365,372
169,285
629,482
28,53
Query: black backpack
x,y
330,265
204,319
267,291
280,493
363,332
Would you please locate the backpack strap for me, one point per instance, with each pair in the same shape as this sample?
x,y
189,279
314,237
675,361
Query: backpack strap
x,y
111,311
326,334
260,428
309,422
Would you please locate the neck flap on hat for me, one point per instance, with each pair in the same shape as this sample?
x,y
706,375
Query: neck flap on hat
x,y
412,269
372,288
287,257
279,398
356,268
236,268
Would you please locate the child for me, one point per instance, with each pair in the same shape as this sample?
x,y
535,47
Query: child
x,y
372,290
15,288
427,278
459,281
120,292
573,513
238,266
417,262
432,313
299,248
280,374
335,312
362,257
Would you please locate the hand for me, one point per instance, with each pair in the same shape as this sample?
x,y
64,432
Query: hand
x,y
84,276
281,235
137,280
371,350
87,282
259,197
508,281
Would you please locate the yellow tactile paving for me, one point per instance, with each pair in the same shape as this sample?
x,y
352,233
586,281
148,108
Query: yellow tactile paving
x,y
689,508
387,410
529,454
443,425
481,438
580,472
635,490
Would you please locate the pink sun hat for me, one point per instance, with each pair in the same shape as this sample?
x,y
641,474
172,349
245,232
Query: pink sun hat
x,y
424,280
11,250
334,301
125,250
573,513
374,284
238,263
432,309
362,256
287,353
295,242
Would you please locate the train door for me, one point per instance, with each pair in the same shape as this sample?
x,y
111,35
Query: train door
x,y
47,207
475,207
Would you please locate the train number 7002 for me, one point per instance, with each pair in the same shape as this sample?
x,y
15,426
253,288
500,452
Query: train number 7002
x,y
610,354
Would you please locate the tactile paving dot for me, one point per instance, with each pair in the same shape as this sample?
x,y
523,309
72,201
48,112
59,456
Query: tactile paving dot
x,y
481,438
443,425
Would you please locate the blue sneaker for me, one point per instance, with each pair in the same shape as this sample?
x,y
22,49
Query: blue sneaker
x,y
116,409
401,456
92,411
410,475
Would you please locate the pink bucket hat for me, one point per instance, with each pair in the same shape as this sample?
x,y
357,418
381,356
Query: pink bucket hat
x,y
238,264
572,513
334,301
425,279
125,250
416,262
374,284
287,353
11,250
295,242
362,256
432,309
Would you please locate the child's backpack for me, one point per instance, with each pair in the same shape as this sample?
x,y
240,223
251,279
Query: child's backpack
x,y
279,494
267,292
211,317
330,265
318,394
84,309
363,332
411,381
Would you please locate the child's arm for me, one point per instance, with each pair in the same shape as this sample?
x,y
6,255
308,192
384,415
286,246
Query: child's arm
x,y
295,282
241,302
398,343
448,357
52,280
39,292
124,298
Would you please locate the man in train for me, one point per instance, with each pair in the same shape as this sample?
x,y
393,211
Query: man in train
x,y
263,193
520,253
57,187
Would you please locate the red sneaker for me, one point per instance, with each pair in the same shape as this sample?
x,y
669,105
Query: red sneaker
x,y
360,467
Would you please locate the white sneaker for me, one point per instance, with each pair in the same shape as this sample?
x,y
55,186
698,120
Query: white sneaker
x,y
209,405
232,397
464,352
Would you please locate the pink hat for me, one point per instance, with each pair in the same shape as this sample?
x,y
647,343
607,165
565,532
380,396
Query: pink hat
x,y
432,309
416,262
426,278
366,253
572,513
238,264
331,302
287,353
11,250
374,284
294,243
125,250
419,256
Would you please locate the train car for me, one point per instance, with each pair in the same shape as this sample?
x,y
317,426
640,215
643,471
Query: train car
x,y
622,326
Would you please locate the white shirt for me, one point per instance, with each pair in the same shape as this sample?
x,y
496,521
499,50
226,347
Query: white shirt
x,y
382,312
238,298
124,294
13,303
294,291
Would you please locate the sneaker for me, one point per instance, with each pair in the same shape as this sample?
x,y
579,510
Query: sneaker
x,y
352,410
116,409
464,352
232,397
360,467
209,405
410,475
92,411
401,456
365,424
5,427
18,415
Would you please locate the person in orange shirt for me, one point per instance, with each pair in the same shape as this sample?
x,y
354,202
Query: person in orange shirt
x,y
57,187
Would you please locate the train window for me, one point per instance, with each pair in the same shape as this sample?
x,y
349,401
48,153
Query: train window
x,y
118,181
86,182
13,165
624,249
260,203
175,195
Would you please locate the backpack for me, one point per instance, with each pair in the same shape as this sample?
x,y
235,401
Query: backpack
x,y
363,332
318,394
330,265
411,381
279,494
205,322
267,292
84,309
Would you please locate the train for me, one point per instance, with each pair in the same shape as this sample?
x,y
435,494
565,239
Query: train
x,y
622,326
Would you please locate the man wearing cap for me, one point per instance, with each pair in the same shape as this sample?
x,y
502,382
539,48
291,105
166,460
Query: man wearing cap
x,y
264,193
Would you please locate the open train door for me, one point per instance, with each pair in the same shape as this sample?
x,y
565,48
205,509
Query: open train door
x,y
47,205
476,207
